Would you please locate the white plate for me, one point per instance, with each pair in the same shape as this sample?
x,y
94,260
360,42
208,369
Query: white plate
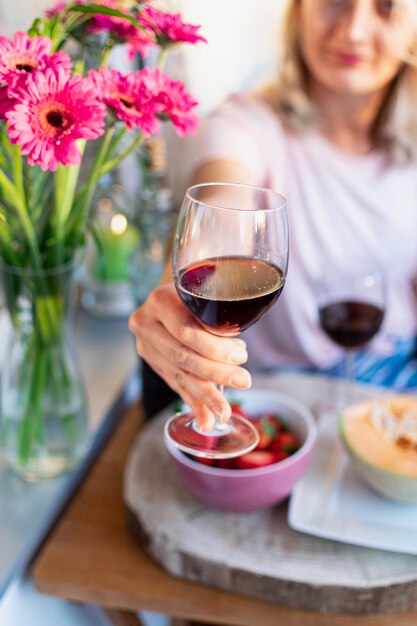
x,y
332,502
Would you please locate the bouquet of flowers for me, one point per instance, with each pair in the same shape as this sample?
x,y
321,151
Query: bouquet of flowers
x,y
57,97
52,104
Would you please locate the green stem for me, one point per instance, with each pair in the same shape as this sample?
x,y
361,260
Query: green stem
x,y
18,174
7,251
15,195
105,56
12,196
103,10
49,312
113,163
48,374
38,185
66,178
85,195
4,163
5,144
28,426
162,58
116,141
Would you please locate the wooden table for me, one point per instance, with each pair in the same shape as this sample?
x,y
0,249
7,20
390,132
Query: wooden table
x,y
92,557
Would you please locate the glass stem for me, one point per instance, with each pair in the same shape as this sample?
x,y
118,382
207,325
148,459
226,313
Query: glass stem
x,y
218,425
347,380
349,370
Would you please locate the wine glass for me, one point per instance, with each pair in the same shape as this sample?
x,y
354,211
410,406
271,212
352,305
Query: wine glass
x,y
351,305
230,260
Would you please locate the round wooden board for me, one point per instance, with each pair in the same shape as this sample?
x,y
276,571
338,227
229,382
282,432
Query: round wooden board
x,y
257,554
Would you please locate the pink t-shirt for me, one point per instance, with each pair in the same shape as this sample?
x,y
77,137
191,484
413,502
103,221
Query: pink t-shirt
x,y
338,202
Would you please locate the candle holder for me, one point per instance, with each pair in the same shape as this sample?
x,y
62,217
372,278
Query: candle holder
x,y
106,288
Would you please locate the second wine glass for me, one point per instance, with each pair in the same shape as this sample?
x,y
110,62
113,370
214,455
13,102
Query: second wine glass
x,y
351,307
230,260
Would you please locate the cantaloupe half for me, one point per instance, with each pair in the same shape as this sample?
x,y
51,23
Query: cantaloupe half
x,y
383,433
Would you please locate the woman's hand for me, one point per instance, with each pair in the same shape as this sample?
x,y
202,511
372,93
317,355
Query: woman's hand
x,y
190,359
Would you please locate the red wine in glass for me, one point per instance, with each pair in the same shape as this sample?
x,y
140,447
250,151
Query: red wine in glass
x,y
349,323
229,294
229,261
351,307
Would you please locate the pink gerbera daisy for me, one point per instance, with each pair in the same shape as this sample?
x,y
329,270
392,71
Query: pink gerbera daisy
x,y
137,40
128,97
101,23
169,27
171,101
57,8
52,112
6,103
22,56
140,42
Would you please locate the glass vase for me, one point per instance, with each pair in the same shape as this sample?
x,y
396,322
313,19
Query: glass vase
x,y
43,406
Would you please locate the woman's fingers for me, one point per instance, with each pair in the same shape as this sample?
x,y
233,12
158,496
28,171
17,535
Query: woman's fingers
x,y
204,416
187,371
205,419
181,325
194,389
185,359
190,359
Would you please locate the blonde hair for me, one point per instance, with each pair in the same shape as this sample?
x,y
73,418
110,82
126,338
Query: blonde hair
x,y
395,128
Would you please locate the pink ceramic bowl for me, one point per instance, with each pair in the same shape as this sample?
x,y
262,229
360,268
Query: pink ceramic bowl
x,y
251,489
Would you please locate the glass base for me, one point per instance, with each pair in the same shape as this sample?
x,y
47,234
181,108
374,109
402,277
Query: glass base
x,y
49,466
235,437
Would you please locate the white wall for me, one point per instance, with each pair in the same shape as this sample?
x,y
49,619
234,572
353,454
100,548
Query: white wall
x,y
19,14
242,46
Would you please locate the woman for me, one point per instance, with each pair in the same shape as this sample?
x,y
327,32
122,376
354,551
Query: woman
x,y
337,135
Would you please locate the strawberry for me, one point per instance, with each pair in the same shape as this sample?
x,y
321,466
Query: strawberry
x,y
256,458
237,409
226,463
265,434
273,420
280,455
286,442
264,439
268,428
